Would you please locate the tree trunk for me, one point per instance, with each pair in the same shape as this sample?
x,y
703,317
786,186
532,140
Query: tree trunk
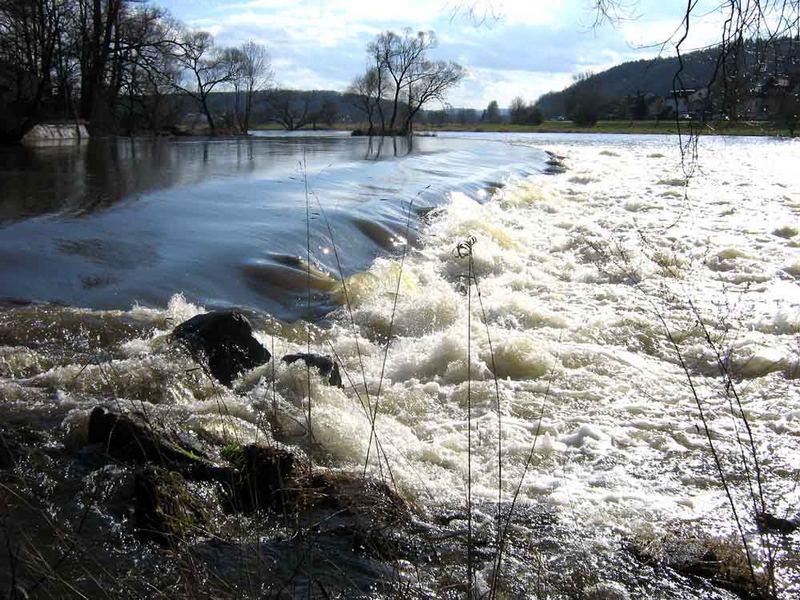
x,y
209,118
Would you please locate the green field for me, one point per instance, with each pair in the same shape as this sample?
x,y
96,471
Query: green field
x,y
640,127
635,127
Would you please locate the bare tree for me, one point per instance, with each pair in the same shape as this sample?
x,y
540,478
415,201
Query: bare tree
x,y
366,95
205,67
29,35
429,81
98,37
399,56
402,74
291,111
111,62
148,71
252,73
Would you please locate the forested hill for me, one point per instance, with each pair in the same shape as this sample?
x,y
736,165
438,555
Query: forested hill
x,y
654,76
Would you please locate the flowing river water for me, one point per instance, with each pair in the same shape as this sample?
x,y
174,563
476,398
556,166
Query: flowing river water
x,y
612,317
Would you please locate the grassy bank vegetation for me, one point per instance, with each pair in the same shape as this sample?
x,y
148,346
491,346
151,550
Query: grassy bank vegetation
x,y
764,128
638,127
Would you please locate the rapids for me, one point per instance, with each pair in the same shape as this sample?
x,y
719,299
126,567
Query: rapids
x,y
590,320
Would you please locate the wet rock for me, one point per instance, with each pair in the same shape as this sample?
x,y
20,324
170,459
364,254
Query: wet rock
x,y
326,366
131,438
317,567
430,213
721,562
165,510
769,523
363,511
9,450
555,164
15,443
223,342
606,590
261,476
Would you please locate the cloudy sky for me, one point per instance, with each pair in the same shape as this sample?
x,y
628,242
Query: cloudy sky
x,y
510,48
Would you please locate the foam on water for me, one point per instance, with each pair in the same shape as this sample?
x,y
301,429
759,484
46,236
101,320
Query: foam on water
x,y
577,279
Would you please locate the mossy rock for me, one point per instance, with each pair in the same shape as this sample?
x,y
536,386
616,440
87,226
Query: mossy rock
x,y
261,476
131,438
349,492
164,508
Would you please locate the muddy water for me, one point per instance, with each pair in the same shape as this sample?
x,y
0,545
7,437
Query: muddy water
x,y
565,365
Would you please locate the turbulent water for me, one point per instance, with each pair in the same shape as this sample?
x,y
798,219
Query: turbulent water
x,y
609,322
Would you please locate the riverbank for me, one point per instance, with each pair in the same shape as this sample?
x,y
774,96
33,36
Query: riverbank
x,y
740,128
743,128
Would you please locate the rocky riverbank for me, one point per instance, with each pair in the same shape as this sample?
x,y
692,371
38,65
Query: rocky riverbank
x,y
128,500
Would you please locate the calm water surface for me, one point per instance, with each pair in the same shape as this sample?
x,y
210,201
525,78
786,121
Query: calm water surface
x,y
116,221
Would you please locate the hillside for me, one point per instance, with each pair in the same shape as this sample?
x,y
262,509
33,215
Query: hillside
x,y
654,76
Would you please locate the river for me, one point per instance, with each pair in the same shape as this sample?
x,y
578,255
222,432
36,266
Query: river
x,y
600,325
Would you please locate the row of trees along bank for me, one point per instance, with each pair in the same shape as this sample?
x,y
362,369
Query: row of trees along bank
x,y
400,80
119,65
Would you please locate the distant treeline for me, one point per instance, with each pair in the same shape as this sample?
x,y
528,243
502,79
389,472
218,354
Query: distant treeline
x,y
127,66
761,81
117,65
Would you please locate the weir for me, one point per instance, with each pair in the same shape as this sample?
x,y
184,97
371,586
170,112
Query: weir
x,y
605,291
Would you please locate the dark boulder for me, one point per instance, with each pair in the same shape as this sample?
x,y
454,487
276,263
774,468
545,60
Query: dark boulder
x,y
326,366
769,523
165,510
223,342
261,476
130,438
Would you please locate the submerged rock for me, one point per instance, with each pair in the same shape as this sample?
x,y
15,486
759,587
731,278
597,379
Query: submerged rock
x,y
223,342
721,562
769,523
326,366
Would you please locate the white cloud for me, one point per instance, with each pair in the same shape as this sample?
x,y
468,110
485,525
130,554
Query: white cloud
x,y
511,47
484,85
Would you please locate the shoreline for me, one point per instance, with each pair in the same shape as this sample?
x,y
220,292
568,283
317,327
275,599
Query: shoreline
x,y
751,128
741,128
